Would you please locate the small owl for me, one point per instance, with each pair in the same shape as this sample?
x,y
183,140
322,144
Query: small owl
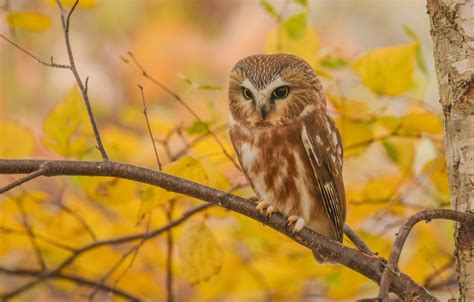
x,y
287,144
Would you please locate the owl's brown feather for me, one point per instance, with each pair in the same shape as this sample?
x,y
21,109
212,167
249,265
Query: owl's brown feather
x,y
291,156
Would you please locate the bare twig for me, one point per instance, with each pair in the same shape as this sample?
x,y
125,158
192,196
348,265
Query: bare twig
x,y
358,242
132,251
51,64
22,180
65,21
391,269
31,235
73,278
183,103
429,279
367,265
115,241
145,108
169,255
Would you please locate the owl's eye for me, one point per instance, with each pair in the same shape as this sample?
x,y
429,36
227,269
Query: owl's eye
x,y
247,93
281,92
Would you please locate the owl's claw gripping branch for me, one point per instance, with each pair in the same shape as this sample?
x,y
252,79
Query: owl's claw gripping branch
x,y
262,205
298,222
270,210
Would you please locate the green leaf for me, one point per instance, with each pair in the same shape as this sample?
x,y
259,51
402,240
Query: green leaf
x,y
28,21
296,26
420,59
194,84
388,70
302,2
332,62
269,8
198,127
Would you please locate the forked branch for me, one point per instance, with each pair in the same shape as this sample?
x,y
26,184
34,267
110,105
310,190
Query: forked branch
x,y
368,265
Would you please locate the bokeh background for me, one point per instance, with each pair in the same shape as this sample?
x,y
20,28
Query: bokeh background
x,y
375,61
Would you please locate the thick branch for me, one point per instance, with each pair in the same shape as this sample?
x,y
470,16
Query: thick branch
x,y
369,266
427,215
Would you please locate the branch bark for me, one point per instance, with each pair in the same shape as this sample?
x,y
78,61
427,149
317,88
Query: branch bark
x,y
367,265
452,30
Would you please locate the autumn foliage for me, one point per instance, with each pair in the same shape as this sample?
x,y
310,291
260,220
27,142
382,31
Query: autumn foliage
x,y
394,162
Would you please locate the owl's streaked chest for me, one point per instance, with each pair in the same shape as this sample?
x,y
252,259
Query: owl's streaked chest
x,y
277,167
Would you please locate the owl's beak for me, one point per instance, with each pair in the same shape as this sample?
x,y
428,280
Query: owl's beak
x,y
264,109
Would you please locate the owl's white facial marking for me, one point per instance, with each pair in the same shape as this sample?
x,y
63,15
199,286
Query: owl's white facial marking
x,y
307,110
263,101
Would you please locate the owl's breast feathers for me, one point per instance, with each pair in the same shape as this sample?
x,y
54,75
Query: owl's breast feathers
x,y
297,168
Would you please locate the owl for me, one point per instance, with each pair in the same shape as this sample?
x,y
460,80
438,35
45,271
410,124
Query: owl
x,y
288,146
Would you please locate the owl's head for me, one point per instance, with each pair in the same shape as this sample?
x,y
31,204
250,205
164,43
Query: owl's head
x,y
273,90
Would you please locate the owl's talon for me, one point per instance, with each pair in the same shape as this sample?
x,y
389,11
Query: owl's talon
x,y
298,222
270,210
262,205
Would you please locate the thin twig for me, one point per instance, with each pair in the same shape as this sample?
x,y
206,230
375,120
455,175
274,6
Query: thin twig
x,y
31,235
65,21
22,180
169,255
132,251
358,242
145,108
114,241
427,215
73,278
183,103
51,64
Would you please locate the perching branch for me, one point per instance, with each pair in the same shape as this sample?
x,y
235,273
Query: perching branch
x,y
391,269
369,266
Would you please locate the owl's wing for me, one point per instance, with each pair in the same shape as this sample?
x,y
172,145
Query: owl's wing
x,y
323,146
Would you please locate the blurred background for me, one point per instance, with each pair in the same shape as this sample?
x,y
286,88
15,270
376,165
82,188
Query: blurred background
x,y
375,61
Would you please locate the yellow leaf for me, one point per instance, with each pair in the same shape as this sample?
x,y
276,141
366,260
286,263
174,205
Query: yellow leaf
x,y
305,47
388,70
69,3
385,125
67,129
28,21
186,167
356,136
200,254
350,108
120,143
109,190
16,140
436,170
421,122
401,150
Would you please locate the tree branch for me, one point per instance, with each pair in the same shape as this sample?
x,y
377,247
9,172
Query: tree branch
x,y
369,266
391,269
73,278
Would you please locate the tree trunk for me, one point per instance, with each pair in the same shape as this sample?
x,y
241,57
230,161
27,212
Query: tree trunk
x,y
452,30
